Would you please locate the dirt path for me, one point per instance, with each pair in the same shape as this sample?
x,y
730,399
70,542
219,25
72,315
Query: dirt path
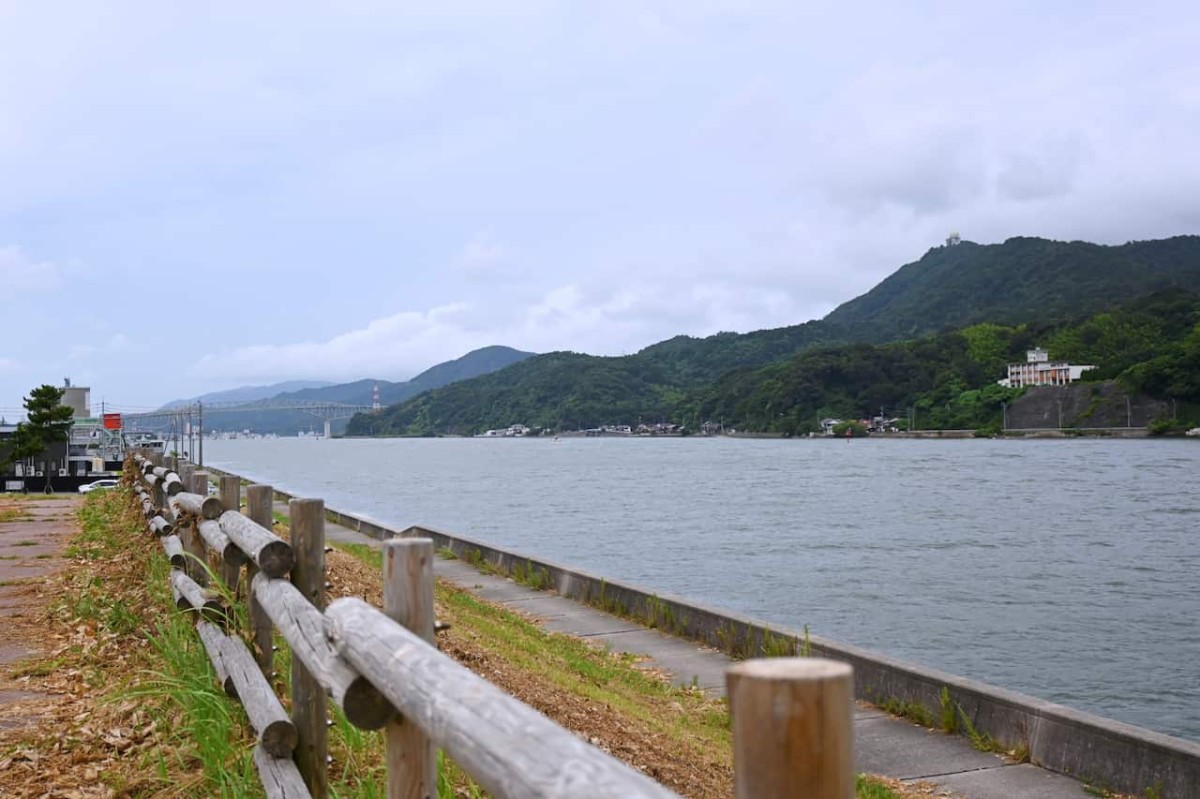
x,y
33,531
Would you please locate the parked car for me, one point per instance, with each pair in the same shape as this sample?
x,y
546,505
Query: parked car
x,y
106,483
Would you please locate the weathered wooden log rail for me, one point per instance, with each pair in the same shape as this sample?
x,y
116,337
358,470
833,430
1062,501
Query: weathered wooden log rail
x,y
791,716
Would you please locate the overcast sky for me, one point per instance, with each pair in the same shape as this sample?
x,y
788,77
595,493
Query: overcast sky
x,y
195,196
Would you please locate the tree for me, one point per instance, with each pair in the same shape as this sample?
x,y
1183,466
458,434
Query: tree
x,y
47,422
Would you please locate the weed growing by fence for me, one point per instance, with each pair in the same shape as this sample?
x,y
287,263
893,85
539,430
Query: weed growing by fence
x,y
949,720
867,787
913,711
777,646
982,741
535,577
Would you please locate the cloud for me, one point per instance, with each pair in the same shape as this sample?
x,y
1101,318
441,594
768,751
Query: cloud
x,y
392,347
9,364
19,272
484,259
118,342
1042,169
580,176
596,318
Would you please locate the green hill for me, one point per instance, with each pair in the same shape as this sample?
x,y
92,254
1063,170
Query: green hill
x,y
1021,280
1024,281
948,380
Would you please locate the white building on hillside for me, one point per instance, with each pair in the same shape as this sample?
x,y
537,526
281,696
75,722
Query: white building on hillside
x,y
1039,370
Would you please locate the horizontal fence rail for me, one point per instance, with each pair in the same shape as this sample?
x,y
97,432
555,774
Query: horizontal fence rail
x,y
384,671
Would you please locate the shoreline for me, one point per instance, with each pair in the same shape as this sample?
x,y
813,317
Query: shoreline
x,y
1136,433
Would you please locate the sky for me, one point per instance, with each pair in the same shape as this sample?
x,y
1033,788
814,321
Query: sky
x,y
200,196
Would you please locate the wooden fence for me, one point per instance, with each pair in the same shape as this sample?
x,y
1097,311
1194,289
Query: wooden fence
x,y
791,717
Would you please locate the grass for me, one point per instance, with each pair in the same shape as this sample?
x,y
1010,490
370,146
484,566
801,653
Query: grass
x,y
913,711
205,742
779,646
35,496
1104,792
14,515
207,746
867,787
982,741
531,576
574,665
949,719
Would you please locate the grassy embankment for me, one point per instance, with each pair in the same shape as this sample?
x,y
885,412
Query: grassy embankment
x,y
146,718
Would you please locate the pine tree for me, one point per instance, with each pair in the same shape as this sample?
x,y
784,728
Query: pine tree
x,y
47,422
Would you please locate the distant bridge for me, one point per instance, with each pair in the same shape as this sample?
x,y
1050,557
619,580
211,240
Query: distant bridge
x,y
327,411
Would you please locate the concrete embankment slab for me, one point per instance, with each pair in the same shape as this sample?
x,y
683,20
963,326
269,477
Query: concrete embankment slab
x,y
1011,781
897,748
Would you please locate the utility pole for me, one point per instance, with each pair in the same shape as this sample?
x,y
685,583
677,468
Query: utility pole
x,y
200,411
1128,412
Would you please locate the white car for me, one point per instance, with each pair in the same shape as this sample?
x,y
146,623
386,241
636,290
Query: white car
x,y
106,483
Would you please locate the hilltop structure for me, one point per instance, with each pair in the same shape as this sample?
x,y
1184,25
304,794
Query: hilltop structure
x,y
1039,370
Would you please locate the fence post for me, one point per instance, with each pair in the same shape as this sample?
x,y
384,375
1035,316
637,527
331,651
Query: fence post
x,y
231,499
185,531
195,544
408,599
159,499
258,509
307,521
792,733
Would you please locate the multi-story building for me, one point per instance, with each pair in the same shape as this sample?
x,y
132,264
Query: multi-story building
x,y
1039,370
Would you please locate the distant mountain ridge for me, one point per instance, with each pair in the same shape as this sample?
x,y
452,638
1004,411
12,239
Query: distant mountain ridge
x,y
360,392
261,415
1021,280
249,393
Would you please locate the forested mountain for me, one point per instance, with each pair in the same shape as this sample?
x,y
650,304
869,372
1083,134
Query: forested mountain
x,y
1021,280
1032,285
948,381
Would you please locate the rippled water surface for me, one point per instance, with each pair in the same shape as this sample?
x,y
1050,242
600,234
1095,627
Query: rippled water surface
x,y
1069,570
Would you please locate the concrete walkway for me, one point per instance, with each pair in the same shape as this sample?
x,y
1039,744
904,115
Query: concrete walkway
x,y
30,545
883,744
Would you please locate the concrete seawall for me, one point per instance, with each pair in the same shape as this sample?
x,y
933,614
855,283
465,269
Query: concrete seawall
x,y
1106,753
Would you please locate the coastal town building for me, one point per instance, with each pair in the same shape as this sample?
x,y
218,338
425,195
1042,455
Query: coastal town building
x,y
1038,370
